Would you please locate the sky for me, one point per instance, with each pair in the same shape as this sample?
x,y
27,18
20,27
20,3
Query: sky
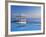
x,y
29,11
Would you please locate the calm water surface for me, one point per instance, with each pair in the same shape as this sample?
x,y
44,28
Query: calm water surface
x,y
25,27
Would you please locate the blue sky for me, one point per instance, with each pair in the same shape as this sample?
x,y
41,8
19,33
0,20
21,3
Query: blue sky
x,y
34,11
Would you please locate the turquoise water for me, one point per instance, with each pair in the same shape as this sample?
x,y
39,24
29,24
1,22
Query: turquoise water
x,y
25,27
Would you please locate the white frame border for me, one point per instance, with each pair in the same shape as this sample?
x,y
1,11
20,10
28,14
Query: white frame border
x,y
23,32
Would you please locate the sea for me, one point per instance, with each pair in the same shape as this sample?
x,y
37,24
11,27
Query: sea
x,y
29,26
